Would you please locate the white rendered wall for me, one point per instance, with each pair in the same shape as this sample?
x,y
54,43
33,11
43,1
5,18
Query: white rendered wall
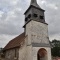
x,y
37,32
22,53
25,51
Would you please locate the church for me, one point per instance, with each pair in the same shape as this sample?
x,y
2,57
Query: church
x,y
33,43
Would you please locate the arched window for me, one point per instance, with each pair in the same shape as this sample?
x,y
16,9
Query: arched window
x,y
42,54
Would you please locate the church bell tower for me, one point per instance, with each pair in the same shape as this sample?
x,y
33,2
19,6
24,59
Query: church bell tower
x,y
36,30
34,12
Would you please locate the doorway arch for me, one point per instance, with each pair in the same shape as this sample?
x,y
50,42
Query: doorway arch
x,y
42,54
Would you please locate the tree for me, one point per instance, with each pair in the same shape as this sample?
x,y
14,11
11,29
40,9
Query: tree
x,y
55,48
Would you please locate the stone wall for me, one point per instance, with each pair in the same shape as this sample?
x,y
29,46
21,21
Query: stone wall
x,y
22,51
37,32
36,49
12,54
1,54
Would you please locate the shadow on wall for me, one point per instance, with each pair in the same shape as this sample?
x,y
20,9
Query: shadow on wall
x,y
1,54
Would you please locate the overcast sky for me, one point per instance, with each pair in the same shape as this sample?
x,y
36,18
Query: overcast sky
x,y
12,18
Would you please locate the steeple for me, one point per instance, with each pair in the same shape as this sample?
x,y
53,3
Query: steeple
x,y
34,3
34,12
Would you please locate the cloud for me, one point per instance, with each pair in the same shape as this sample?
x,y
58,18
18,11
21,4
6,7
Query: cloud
x,y
12,18
4,39
1,13
52,17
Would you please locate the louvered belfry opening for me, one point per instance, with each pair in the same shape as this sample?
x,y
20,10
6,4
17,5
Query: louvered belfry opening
x,y
34,12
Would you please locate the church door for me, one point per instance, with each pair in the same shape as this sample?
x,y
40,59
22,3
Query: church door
x,y
42,54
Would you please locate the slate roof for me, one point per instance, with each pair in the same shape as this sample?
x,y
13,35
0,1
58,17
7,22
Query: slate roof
x,y
35,5
16,42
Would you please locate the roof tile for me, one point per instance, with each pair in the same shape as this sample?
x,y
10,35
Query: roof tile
x,y
16,42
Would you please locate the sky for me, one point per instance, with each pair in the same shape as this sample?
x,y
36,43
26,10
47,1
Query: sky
x,y
12,18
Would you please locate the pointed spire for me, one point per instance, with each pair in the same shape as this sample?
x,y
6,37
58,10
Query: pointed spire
x,y
33,1
35,5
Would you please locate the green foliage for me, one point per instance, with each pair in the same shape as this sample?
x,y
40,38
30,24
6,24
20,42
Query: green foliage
x,y
55,48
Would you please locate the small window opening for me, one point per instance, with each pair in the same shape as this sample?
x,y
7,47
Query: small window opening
x,y
41,17
35,15
29,16
26,19
15,55
15,52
